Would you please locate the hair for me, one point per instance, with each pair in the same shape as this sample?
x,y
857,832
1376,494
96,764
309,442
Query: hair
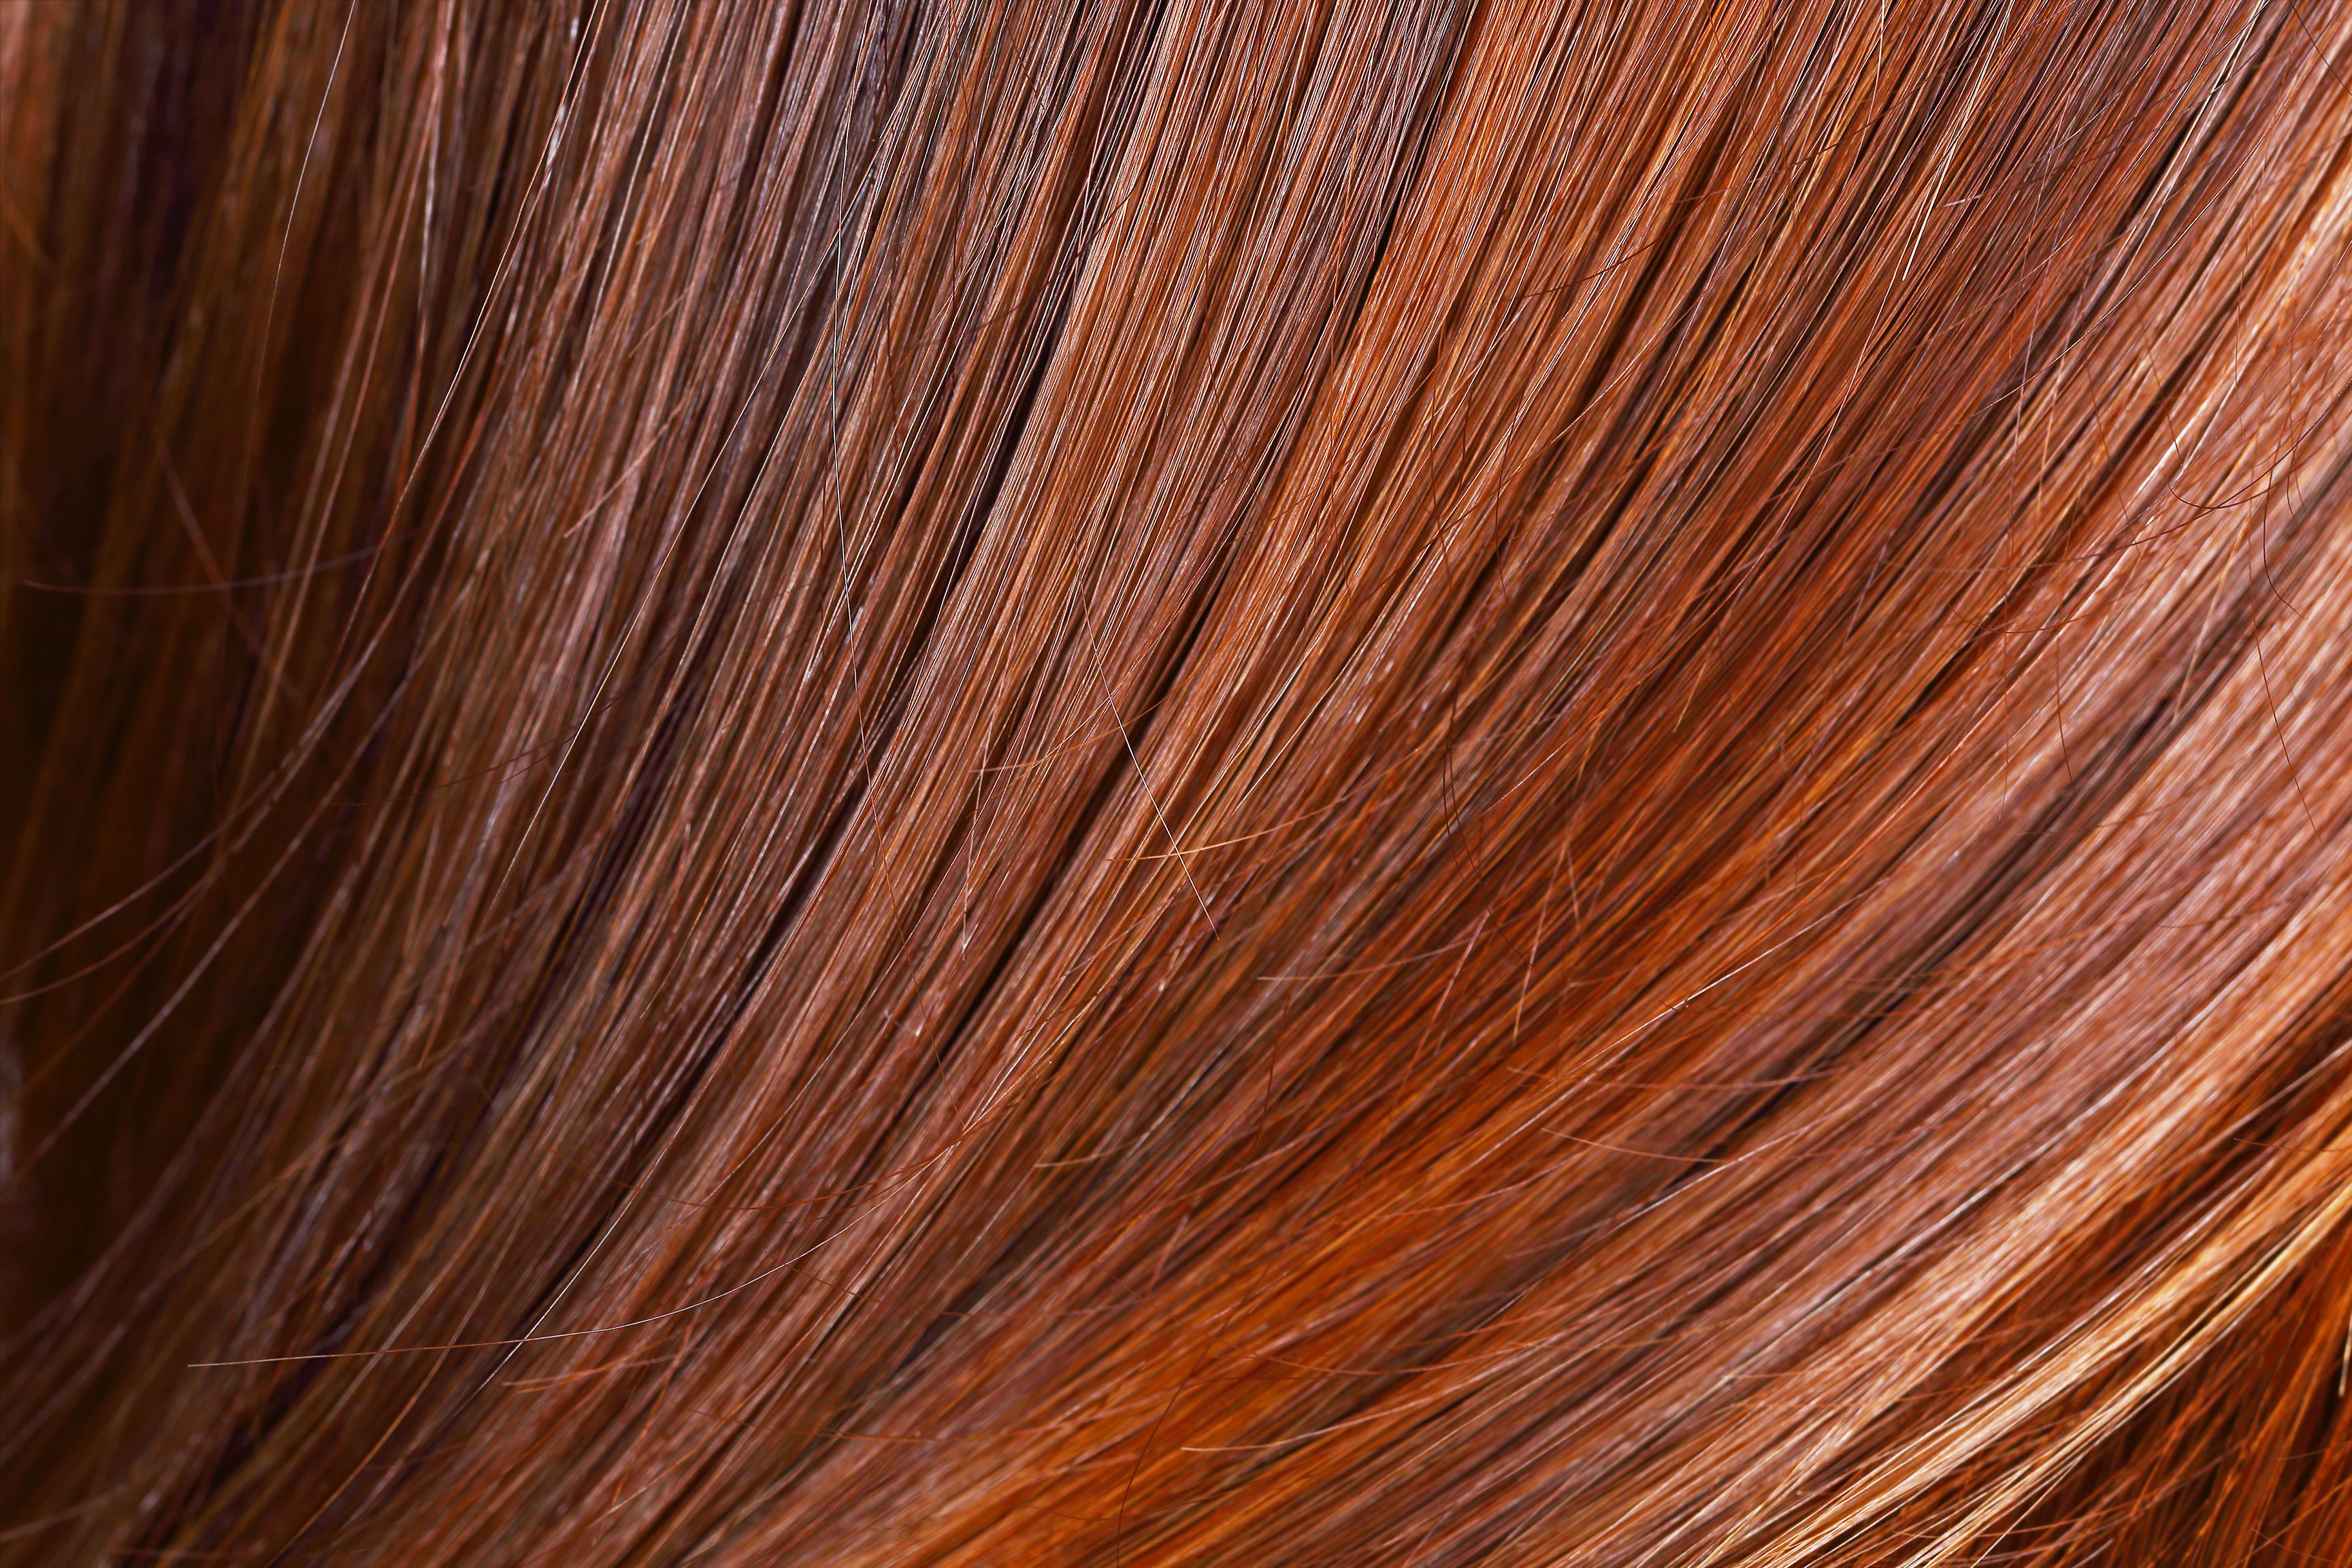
x,y
1100,782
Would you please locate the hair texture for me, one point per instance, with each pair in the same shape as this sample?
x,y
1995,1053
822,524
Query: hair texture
x,y
1039,782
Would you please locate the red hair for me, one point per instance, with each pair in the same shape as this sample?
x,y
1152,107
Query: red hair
x,y
1083,783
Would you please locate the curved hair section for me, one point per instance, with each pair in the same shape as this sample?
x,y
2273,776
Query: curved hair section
x,y
1126,782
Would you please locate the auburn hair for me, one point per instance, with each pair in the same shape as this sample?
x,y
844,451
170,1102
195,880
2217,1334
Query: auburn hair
x,y
1128,781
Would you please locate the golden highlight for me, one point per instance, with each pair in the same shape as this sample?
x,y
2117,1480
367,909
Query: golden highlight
x,y
1114,782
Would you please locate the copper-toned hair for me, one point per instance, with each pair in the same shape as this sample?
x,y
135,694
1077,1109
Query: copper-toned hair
x,y
1035,783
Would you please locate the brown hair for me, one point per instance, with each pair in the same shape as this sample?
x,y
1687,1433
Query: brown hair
x,y
1098,782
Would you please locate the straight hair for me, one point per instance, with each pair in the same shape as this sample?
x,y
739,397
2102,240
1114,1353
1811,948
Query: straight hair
x,y
1390,782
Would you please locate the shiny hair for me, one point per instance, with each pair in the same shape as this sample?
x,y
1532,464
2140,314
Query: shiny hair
x,y
1107,781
